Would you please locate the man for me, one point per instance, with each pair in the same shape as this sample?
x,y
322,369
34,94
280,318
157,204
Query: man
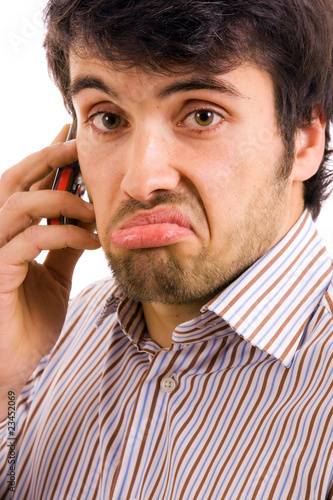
x,y
203,369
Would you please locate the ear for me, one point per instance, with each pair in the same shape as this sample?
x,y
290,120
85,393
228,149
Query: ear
x,y
309,149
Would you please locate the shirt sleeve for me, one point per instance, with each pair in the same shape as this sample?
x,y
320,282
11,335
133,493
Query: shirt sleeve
x,y
12,428
25,401
3,426
330,493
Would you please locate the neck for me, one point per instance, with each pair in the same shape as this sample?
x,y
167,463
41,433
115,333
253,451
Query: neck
x,y
161,319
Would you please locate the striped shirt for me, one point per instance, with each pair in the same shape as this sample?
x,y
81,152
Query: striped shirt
x,y
240,407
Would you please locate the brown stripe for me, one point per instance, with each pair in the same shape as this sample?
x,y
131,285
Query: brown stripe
x,y
110,441
71,328
283,301
135,312
55,404
296,338
326,469
290,412
319,445
196,329
88,466
211,405
226,461
69,447
270,429
21,431
149,419
32,415
79,405
329,300
121,419
265,269
301,330
244,429
304,443
200,338
274,285
175,413
131,376
262,422
122,304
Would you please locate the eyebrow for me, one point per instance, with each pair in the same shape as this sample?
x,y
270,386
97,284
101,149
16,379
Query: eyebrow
x,y
201,83
81,83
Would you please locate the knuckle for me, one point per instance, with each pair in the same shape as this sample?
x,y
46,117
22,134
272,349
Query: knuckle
x,y
68,231
3,242
43,154
52,156
63,197
66,202
8,178
41,157
31,233
15,201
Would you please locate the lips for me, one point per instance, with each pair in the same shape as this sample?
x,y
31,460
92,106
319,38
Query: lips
x,y
153,229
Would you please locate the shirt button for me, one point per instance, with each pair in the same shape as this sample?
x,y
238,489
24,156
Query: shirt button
x,y
168,384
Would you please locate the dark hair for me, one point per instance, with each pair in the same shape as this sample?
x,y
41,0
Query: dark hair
x,y
291,39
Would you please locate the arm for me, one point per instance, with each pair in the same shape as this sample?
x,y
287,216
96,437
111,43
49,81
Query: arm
x,y
34,297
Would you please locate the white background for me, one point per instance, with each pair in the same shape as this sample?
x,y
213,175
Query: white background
x,y
32,112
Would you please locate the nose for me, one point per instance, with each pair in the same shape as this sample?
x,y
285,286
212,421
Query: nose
x,y
149,168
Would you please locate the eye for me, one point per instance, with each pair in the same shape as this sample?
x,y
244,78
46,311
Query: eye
x,y
202,118
105,122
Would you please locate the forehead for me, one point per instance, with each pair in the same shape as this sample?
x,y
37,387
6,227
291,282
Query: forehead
x,y
246,82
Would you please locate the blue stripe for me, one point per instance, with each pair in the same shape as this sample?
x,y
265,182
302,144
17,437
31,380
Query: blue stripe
x,y
281,421
60,389
284,262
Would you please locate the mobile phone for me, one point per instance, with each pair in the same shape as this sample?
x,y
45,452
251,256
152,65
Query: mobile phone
x,y
69,179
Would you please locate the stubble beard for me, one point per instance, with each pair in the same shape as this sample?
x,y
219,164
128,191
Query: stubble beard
x,y
155,275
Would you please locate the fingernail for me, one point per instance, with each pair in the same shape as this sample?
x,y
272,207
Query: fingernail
x,y
69,143
94,236
90,206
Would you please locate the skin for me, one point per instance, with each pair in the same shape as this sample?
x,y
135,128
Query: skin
x,y
221,177
224,177
34,297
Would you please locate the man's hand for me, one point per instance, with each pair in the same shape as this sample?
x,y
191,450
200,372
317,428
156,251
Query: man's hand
x,y
34,297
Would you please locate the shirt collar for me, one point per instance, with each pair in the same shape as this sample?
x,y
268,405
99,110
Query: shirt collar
x,y
130,314
271,303
111,304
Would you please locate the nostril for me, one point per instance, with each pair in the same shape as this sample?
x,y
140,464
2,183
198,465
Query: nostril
x,y
142,183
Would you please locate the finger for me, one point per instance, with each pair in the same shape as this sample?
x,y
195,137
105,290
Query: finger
x,y
47,182
62,136
25,247
61,264
35,167
23,208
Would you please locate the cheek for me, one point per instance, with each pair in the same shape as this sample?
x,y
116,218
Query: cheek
x,y
100,170
102,180
228,178
220,174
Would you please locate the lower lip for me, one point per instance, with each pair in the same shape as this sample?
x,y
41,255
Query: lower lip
x,y
149,236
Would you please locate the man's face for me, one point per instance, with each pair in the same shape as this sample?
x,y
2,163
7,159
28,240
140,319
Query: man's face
x,y
184,174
